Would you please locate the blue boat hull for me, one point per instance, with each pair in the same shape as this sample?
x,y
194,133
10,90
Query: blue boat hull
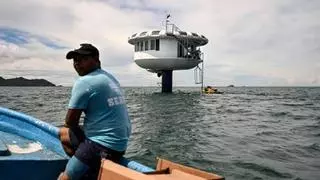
x,y
31,149
31,169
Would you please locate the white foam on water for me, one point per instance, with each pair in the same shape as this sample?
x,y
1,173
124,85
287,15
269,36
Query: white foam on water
x,y
32,147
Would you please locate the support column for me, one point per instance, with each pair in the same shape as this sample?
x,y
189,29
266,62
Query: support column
x,y
167,81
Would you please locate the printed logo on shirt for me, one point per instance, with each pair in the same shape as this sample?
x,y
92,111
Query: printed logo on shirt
x,y
114,101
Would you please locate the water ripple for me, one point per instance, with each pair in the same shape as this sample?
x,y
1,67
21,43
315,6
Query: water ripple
x,y
270,172
245,133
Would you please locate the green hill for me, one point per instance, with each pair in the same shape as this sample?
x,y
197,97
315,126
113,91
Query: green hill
x,y
20,81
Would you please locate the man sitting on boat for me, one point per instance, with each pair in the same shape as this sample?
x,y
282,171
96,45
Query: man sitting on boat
x,y
106,126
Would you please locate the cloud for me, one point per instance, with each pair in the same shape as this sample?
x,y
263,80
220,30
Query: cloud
x,y
15,36
264,42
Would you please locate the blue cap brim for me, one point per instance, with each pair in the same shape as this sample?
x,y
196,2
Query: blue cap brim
x,y
77,52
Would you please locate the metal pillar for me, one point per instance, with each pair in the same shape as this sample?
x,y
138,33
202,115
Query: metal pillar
x,y
167,81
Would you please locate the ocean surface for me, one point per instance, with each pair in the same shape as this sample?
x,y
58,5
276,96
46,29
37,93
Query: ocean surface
x,y
245,133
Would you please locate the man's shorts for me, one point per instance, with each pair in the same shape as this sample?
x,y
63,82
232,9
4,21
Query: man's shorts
x,y
90,153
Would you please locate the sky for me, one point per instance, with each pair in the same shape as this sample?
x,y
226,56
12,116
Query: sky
x,y
251,42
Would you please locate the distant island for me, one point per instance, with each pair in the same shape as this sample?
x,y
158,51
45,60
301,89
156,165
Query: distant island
x,y
20,81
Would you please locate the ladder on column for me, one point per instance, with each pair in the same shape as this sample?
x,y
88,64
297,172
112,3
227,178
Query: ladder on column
x,y
198,72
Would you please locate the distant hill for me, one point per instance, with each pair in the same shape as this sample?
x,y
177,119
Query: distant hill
x,y
20,81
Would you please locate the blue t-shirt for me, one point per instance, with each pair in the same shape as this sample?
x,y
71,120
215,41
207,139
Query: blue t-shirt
x,y
106,117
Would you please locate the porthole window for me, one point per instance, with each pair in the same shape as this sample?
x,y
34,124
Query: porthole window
x,y
194,34
152,44
182,33
146,46
141,46
136,47
143,33
155,32
157,44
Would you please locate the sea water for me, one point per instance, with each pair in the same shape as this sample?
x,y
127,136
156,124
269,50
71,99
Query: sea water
x,y
245,133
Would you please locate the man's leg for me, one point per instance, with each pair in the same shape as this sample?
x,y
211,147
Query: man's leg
x,y
70,142
70,139
75,170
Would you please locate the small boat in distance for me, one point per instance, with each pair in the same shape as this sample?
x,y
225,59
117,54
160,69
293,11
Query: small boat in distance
x,y
211,90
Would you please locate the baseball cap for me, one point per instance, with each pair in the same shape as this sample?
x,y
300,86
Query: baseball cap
x,y
85,49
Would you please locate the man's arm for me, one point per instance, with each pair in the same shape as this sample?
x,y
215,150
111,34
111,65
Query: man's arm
x,y
71,124
73,118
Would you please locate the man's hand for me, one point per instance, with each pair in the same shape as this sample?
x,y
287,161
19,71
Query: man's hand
x,y
71,135
66,141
